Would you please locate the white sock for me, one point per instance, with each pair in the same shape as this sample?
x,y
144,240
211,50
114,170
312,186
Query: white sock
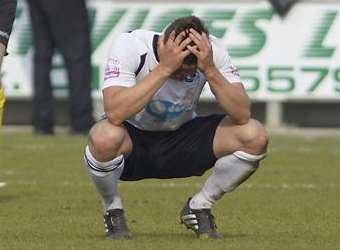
x,y
105,176
228,173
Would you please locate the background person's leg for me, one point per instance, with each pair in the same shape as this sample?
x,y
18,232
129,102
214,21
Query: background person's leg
x,y
43,103
70,27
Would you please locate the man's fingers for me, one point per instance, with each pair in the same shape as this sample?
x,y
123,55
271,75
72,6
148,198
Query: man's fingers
x,y
194,50
196,34
195,39
205,38
180,37
172,36
185,53
185,43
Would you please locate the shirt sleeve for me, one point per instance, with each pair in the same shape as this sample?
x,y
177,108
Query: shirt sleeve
x,y
223,62
122,62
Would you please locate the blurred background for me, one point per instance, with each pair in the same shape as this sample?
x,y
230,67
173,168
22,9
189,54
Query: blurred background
x,y
287,52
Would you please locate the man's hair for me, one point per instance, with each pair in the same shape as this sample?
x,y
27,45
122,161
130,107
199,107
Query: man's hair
x,y
185,23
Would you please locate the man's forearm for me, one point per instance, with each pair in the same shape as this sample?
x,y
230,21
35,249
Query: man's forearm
x,y
231,97
131,100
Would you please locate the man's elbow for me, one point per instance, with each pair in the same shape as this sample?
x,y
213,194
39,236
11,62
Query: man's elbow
x,y
115,118
243,118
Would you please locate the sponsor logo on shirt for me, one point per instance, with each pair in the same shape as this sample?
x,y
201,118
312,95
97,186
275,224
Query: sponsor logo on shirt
x,y
164,110
234,71
112,69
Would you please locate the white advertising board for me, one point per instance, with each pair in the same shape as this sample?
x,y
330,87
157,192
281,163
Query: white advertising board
x,y
296,57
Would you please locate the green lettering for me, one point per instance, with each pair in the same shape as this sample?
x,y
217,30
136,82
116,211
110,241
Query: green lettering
x,y
316,48
95,77
92,13
256,36
168,17
337,80
280,79
25,33
102,30
212,17
321,74
250,78
138,20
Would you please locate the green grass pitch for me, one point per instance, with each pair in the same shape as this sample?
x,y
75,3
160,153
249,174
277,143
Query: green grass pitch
x,y
48,202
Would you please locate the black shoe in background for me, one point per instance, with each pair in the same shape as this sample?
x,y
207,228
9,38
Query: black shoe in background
x,y
44,131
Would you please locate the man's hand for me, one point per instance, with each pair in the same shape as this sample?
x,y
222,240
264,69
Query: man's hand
x,y
202,50
173,51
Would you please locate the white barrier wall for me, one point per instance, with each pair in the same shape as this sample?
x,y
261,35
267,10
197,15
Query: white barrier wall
x,y
279,59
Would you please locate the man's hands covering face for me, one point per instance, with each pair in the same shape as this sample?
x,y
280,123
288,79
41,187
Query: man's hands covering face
x,y
202,50
173,51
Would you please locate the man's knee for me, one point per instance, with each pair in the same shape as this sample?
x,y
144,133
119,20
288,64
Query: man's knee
x,y
254,137
107,140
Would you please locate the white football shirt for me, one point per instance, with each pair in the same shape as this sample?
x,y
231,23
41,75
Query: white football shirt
x,y
133,55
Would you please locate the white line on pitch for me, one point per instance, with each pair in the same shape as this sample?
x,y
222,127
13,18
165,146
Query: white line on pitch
x,y
246,185
170,185
2,184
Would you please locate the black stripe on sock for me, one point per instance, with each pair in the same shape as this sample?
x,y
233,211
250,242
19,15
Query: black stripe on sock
x,y
95,168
